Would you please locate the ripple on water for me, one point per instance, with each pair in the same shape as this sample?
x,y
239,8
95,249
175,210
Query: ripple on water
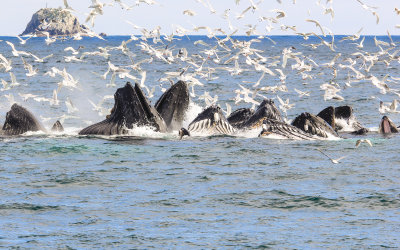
x,y
28,206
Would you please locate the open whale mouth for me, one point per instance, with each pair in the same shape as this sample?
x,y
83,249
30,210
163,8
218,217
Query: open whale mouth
x,y
131,108
173,104
386,129
211,121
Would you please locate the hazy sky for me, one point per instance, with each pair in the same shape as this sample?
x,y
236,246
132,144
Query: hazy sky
x,y
349,17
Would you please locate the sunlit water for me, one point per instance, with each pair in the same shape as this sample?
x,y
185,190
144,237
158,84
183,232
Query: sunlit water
x,y
153,190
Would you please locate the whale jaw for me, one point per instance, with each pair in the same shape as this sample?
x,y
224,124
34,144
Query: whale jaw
x,y
131,108
313,125
57,127
266,110
341,119
272,127
19,120
239,117
387,126
173,104
211,121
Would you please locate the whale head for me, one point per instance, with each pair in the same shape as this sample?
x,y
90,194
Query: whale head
x,y
387,126
19,120
173,104
131,108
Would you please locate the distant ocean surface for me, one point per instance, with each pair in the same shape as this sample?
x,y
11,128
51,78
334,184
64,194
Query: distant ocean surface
x,y
152,190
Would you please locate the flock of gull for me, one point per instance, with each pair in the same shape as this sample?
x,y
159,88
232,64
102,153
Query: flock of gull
x,y
222,51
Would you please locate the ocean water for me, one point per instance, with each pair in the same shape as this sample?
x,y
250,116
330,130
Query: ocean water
x,y
152,190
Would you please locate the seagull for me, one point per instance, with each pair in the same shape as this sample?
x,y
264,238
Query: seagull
x,y
13,80
383,108
208,99
6,64
98,107
241,15
68,80
363,140
54,101
70,106
27,66
25,97
380,84
281,13
316,24
302,93
49,40
148,2
72,59
284,105
189,12
366,7
22,41
74,51
41,60
353,37
391,40
393,107
5,85
334,161
15,52
123,5
331,92
361,44
67,7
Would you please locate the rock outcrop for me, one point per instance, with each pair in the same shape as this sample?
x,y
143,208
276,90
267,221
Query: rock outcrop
x,y
58,22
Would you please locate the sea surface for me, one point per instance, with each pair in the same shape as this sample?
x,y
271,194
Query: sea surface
x,y
152,190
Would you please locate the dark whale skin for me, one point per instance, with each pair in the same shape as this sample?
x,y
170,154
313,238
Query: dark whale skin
x,y
314,125
19,120
266,110
131,108
240,116
173,104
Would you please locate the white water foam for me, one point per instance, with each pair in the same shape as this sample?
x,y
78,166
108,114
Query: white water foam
x,y
192,112
346,127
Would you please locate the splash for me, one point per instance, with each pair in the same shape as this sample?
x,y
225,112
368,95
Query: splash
x,y
193,110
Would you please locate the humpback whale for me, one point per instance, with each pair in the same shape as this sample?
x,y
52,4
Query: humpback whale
x,y
328,114
266,110
314,125
210,121
387,126
57,127
284,130
342,119
131,107
19,120
173,105
239,116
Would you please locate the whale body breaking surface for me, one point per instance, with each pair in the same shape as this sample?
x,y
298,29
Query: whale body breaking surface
x,y
132,109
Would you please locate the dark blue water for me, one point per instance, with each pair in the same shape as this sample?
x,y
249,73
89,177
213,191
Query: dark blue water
x,y
151,190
